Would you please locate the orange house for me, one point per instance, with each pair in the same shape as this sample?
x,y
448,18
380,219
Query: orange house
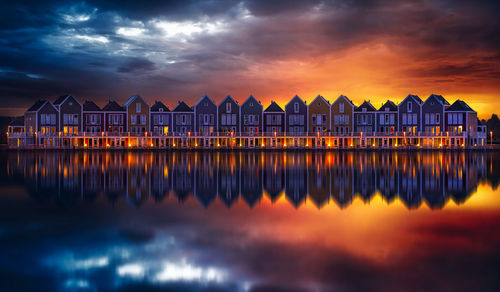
x,y
137,115
319,115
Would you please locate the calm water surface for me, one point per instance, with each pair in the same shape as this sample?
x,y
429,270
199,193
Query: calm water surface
x,y
249,221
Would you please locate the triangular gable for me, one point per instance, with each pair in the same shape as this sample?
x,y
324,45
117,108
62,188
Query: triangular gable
x,y
64,98
159,105
182,107
366,104
90,106
48,103
250,98
343,97
415,98
205,97
274,108
296,97
321,98
228,97
113,106
438,98
389,104
460,106
37,105
132,98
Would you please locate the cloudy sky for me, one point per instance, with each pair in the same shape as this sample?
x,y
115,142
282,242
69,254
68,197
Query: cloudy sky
x,y
172,50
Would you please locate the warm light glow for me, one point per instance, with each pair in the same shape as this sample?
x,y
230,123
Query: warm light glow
x,y
107,145
129,144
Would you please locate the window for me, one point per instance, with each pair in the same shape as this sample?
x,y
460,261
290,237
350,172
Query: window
x,y
382,119
409,106
415,119
138,107
427,118
404,119
133,120
437,119
296,107
341,107
228,107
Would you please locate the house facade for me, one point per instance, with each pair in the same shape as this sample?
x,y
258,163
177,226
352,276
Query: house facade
x,y
205,111
342,112
274,120
364,119
433,115
161,119
461,120
410,115
137,115
387,119
41,122
115,119
70,115
182,119
296,117
228,116
319,115
251,117
93,119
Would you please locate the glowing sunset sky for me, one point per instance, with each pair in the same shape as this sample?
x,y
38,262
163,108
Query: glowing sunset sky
x,y
172,50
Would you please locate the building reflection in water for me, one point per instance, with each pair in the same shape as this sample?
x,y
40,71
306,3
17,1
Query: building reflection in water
x,y
318,177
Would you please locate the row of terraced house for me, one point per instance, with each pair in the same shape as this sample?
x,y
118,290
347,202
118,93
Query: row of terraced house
x,y
67,123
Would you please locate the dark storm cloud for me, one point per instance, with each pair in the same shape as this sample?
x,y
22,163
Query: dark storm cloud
x,y
93,48
136,65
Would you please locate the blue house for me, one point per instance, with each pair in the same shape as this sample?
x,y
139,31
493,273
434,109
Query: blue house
x,y
296,117
205,111
182,119
409,112
433,115
387,119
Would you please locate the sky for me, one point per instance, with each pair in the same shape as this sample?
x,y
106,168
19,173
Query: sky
x,y
182,50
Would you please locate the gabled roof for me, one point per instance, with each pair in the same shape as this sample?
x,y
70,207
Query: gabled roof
x,y
60,99
182,107
346,98
440,98
414,97
389,104
321,97
113,106
274,107
90,106
296,97
207,98
37,105
159,105
459,106
132,98
17,122
366,104
250,98
229,97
